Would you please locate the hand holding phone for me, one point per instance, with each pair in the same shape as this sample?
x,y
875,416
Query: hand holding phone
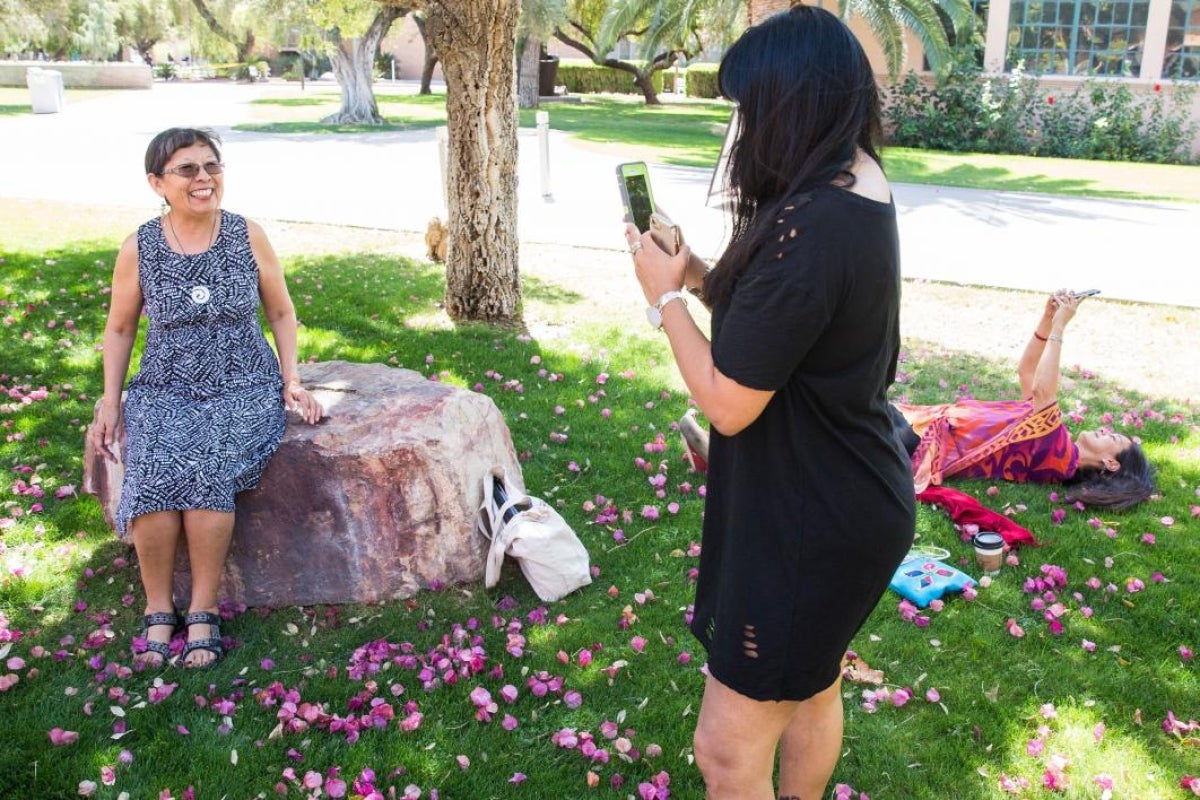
x,y
633,179
1086,293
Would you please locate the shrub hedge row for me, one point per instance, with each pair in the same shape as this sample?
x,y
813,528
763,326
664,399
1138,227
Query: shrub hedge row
x,y
582,76
1101,119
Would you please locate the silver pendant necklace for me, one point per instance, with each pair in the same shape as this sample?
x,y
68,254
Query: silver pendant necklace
x,y
200,294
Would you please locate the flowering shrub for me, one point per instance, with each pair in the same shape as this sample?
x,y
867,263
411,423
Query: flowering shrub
x,y
968,111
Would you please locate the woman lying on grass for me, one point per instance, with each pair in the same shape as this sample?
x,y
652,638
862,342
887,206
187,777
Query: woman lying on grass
x,y
1012,440
1026,440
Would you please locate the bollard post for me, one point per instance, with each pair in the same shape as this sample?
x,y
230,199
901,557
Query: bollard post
x,y
443,145
543,133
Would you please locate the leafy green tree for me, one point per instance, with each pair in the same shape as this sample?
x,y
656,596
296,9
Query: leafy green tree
x,y
229,26
141,24
49,25
666,30
354,29
888,20
96,38
21,29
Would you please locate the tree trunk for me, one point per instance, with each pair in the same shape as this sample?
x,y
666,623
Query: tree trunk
x,y
529,74
246,48
645,82
431,61
476,43
431,58
353,62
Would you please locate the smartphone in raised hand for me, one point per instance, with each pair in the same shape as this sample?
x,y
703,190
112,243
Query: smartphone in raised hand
x,y
1086,293
633,179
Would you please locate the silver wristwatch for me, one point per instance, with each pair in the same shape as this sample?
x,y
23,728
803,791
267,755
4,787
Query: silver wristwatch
x,y
654,312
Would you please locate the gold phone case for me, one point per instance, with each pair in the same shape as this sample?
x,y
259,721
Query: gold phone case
x,y
666,233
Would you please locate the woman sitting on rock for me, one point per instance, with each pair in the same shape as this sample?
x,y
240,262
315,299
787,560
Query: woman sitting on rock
x,y
205,411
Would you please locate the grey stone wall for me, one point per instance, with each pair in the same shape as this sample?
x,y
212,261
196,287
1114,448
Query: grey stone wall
x,y
82,75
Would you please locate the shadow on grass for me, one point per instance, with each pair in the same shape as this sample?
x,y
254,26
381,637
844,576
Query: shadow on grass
x,y
903,168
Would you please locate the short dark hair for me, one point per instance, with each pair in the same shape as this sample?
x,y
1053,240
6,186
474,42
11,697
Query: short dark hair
x,y
1132,484
807,101
164,145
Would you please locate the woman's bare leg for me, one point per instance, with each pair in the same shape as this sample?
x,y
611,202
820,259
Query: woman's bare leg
x,y
155,538
208,536
735,743
811,745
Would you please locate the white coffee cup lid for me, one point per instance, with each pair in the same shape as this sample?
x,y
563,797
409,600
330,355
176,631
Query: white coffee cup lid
x,y
989,540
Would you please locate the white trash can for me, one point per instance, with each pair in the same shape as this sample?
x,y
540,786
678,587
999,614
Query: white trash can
x,y
45,90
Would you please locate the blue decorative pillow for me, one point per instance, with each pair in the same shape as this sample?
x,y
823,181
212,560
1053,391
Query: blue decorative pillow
x,y
923,580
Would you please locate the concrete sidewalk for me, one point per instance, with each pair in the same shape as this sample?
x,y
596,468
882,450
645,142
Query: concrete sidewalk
x,y
92,153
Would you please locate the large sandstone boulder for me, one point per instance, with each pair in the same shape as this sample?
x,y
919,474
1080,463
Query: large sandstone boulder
x,y
376,502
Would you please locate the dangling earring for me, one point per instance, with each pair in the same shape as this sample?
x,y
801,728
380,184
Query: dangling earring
x,y
165,208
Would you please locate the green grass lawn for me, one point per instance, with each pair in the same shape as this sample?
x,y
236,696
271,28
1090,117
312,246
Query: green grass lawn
x,y
589,398
303,114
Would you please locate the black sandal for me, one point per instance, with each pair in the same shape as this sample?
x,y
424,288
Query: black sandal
x,y
162,649
212,643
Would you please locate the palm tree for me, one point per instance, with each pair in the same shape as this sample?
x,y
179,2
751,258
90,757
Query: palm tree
x,y
888,20
538,20
665,30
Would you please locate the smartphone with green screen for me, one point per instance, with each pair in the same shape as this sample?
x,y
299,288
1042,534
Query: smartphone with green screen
x,y
633,179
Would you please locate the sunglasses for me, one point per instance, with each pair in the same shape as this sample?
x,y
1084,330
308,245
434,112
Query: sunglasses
x,y
192,170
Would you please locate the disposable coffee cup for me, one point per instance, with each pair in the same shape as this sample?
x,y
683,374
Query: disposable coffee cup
x,y
989,550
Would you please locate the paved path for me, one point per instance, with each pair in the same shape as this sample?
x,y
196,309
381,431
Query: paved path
x,y
91,153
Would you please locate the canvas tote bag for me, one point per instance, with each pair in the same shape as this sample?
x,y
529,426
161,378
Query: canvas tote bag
x,y
549,553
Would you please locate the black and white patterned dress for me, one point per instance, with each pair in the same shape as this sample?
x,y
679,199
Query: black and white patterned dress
x,y
205,411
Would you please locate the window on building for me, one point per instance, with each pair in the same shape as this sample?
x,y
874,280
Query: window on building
x,y
1078,37
1182,57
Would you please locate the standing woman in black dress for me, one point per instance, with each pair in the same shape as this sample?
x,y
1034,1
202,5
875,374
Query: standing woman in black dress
x,y
810,496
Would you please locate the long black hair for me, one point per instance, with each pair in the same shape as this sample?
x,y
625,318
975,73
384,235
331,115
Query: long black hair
x,y
807,101
1133,483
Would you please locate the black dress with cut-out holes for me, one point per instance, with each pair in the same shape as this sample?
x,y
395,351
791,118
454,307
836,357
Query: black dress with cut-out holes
x,y
205,411
810,508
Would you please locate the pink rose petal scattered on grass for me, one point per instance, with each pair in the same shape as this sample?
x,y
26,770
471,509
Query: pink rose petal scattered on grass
x,y
59,737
